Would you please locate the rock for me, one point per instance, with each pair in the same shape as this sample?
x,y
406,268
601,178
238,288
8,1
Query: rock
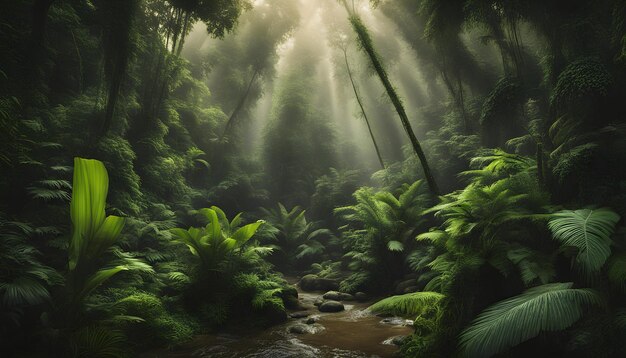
x,y
301,314
312,319
400,287
411,289
318,301
314,283
397,321
396,340
338,296
361,296
289,295
273,314
399,340
300,328
331,306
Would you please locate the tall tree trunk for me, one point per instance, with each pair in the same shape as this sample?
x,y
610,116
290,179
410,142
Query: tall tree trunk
x,y
358,99
368,47
233,117
118,21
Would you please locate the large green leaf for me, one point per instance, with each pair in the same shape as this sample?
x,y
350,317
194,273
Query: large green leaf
x,y
92,232
550,307
243,234
99,278
587,230
89,192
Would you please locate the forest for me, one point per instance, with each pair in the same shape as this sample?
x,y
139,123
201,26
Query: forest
x,y
312,178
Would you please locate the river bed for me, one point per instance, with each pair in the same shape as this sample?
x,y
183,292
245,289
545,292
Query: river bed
x,y
352,333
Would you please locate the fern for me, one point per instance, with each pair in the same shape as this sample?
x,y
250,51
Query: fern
x,y
589,231
550,307
407,305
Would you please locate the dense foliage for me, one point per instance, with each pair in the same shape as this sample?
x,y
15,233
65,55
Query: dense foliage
x,y
167,166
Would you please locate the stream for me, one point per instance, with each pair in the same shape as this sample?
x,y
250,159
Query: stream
x,y
352,333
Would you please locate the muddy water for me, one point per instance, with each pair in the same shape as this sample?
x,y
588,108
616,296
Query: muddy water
x,y
353,333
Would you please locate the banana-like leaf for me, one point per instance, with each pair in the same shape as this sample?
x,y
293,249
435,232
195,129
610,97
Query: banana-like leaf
x,y
89,191
108,233
588,230
550,307
99,278
236,221
214,229
244,233
92,232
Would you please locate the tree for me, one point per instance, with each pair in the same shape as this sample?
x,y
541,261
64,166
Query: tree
x,y
342,44
368,47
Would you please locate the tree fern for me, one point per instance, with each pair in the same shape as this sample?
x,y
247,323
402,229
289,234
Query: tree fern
x,y
550,307
588,230
407,305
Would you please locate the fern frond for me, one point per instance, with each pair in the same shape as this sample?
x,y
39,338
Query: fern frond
x,y
407,305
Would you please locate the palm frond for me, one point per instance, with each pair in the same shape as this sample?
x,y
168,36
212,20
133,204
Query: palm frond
x,y
550,307
589,231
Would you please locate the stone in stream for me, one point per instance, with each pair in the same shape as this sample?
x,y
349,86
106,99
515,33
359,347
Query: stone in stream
x,y
289,295
313,319
315,283
301,314
396,340
338,296
318,301
331,306
397,321
361,296
300,328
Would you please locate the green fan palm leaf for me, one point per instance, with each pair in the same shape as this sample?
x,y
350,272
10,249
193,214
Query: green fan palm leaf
x,y
588,230
550,307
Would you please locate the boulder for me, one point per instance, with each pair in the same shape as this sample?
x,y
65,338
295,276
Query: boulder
x,y
361,296
289,295
301,314
313,319
318,301
396,340
314,283
399,340
331,306
300,328
411,289
397,321
338,296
